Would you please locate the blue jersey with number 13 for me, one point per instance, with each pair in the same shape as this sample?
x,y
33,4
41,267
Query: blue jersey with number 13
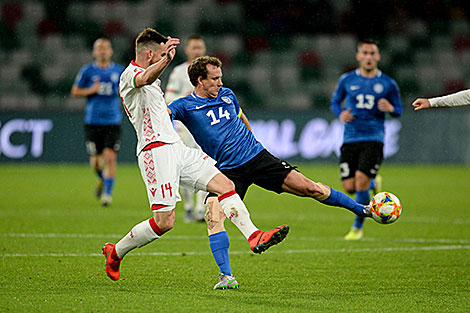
x,y
216,126
362,95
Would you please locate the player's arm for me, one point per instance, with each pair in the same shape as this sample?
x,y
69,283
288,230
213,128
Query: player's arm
x,y
245,120
392,104
85,92
82,80
174,110
456,99
339,94
151,73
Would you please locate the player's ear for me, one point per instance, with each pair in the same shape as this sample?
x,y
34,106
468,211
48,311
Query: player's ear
x,y
199,80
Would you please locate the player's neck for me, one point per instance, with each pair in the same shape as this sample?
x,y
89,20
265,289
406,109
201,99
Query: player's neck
x,y
142,62
200,93
103,64
369,73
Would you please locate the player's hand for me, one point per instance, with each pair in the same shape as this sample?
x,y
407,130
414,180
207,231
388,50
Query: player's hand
x,y
421,103
385,106
170,48
346,116
94,88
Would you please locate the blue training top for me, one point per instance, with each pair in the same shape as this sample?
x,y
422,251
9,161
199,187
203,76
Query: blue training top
x,y
362,95
216,126
104,107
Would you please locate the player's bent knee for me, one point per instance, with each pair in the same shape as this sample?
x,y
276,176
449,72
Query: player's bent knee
x,y
220,184
214,216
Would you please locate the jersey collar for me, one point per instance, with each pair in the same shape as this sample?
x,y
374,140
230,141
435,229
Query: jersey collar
x,y
135,64
358,73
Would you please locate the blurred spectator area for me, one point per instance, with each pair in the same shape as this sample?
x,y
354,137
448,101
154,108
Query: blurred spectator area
x,y
277,55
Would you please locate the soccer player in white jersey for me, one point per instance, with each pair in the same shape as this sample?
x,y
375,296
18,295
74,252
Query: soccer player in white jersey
x,y
165,161
456,99
180,86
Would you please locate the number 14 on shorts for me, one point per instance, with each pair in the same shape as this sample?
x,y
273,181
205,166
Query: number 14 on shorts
x,y
167,189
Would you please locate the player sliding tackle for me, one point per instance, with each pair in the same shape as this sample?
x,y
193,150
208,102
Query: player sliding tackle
x,y
165,161
219,126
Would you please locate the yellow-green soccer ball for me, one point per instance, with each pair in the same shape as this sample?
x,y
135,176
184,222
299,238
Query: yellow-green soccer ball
x,y
386,208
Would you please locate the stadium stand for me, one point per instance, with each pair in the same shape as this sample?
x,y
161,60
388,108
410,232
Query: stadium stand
x,y
277,55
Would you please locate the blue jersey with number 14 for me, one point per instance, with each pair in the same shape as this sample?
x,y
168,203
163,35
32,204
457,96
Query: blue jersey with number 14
x,y
216,126
361,95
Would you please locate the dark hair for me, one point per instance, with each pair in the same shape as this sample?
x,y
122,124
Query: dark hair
x,y
148,37
367,42
193,37
198,68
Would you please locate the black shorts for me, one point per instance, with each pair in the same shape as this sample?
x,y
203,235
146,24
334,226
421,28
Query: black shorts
x,y
99,137
364,156
264,170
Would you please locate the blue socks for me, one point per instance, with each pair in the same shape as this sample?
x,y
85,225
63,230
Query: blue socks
x,y
99,173
219,245
108,184
362,197
338,198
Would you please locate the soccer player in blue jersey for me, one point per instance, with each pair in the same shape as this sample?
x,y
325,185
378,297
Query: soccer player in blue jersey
x,y
368,95
99,82
214,117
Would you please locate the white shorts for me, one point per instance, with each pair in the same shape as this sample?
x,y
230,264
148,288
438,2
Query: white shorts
x,y
164,168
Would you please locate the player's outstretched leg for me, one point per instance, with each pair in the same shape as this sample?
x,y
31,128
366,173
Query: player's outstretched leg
x,y
298,184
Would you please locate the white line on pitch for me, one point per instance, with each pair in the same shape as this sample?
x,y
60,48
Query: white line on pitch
x,y
236,237
301,251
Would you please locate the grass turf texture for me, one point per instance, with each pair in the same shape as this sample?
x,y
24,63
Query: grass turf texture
x,y
52,230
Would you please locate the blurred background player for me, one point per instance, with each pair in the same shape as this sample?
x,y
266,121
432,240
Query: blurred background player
x,y
99,82
214,117
179,86
456,99
369,94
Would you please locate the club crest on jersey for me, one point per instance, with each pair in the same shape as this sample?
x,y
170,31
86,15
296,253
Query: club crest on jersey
x,y
378,88
227,100
114,77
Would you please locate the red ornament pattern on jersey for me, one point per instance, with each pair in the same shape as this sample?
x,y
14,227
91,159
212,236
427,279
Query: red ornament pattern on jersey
x,y
149,169
149,134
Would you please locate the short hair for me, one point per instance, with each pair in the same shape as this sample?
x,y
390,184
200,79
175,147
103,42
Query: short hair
x,y
198,67
103,39
193,37
148,38
367,42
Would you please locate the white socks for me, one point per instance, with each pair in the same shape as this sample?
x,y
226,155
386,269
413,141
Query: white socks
x,y
236,211
140,235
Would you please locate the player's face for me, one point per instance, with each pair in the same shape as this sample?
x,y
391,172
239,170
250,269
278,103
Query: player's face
x,y
368,56
102,50
157,53
196,48
213,82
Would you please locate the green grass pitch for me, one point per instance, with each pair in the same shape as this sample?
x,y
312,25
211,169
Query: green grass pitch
x,y
52,230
